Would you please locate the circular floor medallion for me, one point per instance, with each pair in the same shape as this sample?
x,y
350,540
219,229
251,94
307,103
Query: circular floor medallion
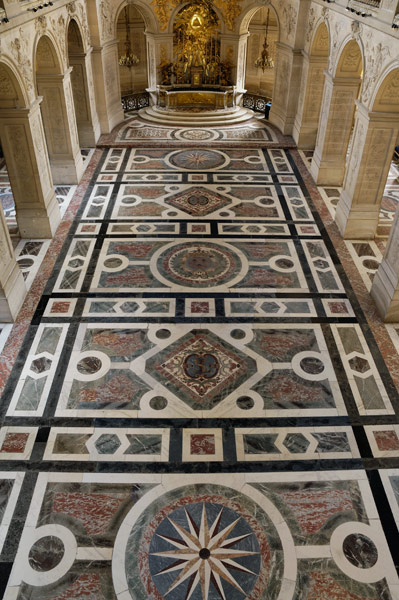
x,y
196,134
201,264
203,542
197,160
195,537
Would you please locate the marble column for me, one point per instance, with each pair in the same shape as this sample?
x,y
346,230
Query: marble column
x,y
12,284
107,85
336,120
242,47
83,94
385,288
286,85
24,146
151,49
373,144
309,105
59,122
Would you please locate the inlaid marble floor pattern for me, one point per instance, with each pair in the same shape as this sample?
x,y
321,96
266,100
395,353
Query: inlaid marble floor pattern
x,y
199,410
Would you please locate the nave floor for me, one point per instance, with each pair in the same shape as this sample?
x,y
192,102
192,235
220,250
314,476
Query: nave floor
x,y
201,407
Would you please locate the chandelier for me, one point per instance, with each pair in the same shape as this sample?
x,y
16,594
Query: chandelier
x,y
128,59
265,61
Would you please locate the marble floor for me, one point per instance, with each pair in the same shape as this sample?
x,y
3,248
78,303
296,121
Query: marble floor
x,y
199,402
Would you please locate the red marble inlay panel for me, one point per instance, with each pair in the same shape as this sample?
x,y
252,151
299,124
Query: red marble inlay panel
x,y
386,440
87,586
119,390
337,307
88,228
94,511
325,587
198,229
14,442
200,307
312,508
60,307
201,444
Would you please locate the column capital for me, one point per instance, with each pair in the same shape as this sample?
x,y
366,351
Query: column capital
x,y
49,77
341,81
19,112
376,117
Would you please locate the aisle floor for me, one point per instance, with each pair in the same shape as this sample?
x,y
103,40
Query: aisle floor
x,y
199,409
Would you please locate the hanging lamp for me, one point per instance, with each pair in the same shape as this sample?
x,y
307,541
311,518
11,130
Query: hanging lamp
x,y
265,61
128,59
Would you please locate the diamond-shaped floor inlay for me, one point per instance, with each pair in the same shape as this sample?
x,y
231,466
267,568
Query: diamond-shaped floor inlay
x,y
197,201
201,369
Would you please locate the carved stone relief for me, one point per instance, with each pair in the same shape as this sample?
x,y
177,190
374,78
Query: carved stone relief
x,y
81,10
59,30
290,19
107,19
19,51
311,22
357,30
375,58
41,24
334,47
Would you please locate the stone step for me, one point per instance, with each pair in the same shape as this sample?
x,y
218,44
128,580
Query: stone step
x,y
200,119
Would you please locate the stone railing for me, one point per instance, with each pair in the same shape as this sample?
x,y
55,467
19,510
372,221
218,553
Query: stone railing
x,y
135,101
255,102
363,7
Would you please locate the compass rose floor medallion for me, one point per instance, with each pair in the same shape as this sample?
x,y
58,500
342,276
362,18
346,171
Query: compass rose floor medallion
x,y
204,543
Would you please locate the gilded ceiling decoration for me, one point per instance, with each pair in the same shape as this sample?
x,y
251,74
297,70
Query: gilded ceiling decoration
x,y
230,9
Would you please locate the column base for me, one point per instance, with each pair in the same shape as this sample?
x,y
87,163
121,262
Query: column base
x,y
327,172
88,134
305,136
356,223
40,223
384,292
67,170
281,121
12,295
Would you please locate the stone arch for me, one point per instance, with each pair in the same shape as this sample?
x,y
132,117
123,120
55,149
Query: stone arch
x,y
53,84
134,79
249,12
151,25
320,42
349,60
82,86
47,59
337,115
12,90
24,148
258,81
386,94
311,95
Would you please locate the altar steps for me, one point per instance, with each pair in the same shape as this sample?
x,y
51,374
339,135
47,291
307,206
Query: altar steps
x,y
204,118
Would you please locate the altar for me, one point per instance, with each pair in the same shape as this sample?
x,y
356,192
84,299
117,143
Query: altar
x,y
187,97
